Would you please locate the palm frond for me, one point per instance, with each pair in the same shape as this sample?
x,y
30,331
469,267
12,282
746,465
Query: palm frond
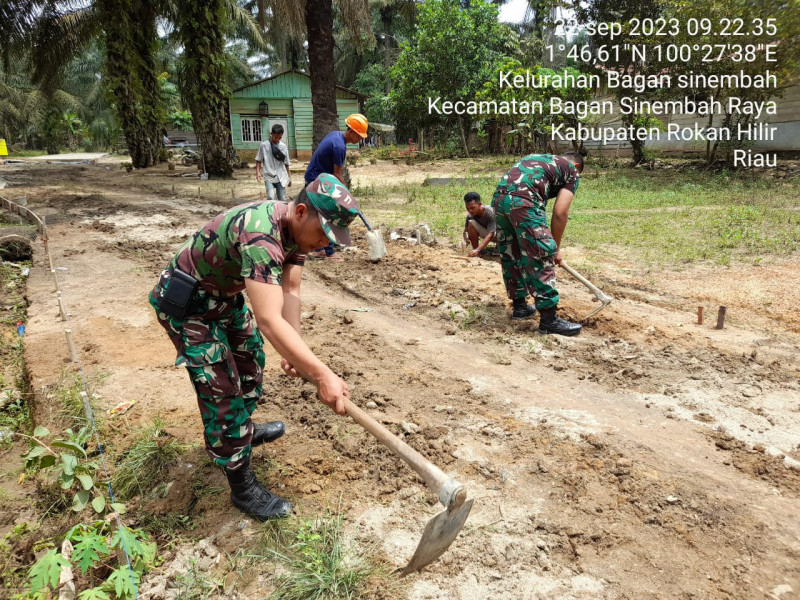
x,y
289,15
68,100
357,22
58,39
246,26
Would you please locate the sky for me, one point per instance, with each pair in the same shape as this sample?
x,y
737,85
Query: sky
x,y
513,11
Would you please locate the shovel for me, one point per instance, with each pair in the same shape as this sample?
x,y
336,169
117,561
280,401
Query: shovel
x,y
599,294
377,247
442,529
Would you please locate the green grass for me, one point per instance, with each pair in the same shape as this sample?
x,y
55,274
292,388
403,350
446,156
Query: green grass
x,y
14,385
195,584
720,234
168,525
26,153
145,462
663,218
67,394
14,417
317,562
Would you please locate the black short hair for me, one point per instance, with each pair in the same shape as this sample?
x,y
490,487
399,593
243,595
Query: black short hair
x,y
302,198
576,158
472,197
277,128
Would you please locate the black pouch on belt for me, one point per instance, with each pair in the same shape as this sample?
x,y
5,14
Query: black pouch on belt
x,y
175,300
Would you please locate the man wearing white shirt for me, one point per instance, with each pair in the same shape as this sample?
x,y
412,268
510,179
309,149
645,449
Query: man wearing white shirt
x,y
272,163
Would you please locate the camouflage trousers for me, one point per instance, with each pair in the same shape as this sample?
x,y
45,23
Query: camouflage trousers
x,y
223,352
527,249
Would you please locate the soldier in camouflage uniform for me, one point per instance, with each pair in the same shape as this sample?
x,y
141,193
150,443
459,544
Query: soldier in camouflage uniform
x,y
259,247
529,249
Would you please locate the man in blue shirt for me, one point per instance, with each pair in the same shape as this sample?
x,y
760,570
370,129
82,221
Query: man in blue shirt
x,y
329,158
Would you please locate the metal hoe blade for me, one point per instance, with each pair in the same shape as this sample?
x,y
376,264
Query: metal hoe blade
x,y
377,248
604,299
439,533
442,529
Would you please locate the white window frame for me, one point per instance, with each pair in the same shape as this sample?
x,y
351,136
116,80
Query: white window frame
x,y
251,129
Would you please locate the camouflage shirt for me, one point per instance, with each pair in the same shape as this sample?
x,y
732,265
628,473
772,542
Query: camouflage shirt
x,y
249,241
539,177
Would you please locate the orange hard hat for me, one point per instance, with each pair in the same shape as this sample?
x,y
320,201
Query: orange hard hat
x,y
357,123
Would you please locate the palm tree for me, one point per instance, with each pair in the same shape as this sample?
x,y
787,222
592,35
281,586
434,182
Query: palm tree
x,y
390,11
316,18
130,38
392,22
202,29
33,118
127,29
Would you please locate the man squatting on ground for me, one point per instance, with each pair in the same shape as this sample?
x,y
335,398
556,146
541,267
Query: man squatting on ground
x,y
529,250
259,247
272,161
480,226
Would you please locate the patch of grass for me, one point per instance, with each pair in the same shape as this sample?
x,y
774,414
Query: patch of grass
x,y
200,488
277,533
662,218
195,584
145,462
272,472
474,315
15,412
26,153
168,525
14,416
317,562
686,235
13,563
67,394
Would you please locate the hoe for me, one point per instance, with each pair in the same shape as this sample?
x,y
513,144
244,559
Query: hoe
x,y
599,294
442,529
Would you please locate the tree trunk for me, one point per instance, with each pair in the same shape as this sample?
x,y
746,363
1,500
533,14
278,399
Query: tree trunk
x,y
200,25
726,123
386,20
636,145
319,27
638,151
463,137
131,39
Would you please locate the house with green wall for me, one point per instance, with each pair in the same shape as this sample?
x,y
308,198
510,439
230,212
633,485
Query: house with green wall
x,y
284,98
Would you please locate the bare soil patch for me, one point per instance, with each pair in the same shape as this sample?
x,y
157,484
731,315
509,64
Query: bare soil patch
x,y
649,458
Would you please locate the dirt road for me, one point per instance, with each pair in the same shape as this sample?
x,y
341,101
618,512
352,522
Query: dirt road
x,y
648,458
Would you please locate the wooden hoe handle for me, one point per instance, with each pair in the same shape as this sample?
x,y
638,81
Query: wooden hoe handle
x,y
599,294
451,493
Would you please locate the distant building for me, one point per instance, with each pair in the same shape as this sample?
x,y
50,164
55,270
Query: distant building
x,y
286,99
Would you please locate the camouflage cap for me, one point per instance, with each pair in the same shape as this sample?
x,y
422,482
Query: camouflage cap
x,y
335,206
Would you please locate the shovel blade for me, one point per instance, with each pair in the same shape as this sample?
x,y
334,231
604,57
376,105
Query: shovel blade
x,y
377,247
439,533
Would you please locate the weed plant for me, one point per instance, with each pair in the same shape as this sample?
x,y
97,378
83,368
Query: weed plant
x,y
195,584
145,462
317,562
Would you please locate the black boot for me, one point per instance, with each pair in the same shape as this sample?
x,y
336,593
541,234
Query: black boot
x,y
522,310
268,432
252,498
550,323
